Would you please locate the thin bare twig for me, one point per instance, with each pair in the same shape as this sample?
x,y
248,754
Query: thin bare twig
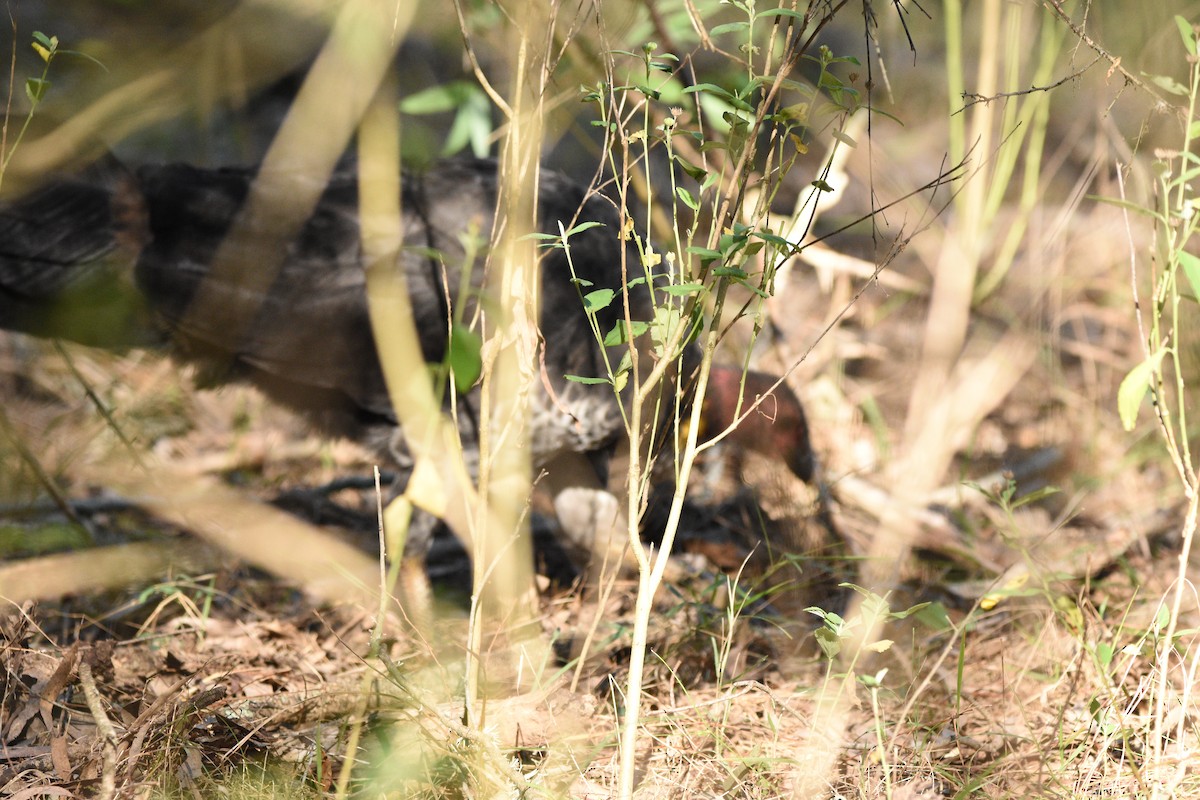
x,y
1114,61
971,98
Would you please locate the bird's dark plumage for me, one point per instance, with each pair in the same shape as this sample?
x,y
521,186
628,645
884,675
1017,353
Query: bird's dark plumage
x,y
120,258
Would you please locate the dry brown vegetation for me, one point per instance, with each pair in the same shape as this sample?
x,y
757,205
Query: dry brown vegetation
x,y
1026,626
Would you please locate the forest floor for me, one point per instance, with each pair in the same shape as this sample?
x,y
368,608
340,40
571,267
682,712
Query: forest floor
x,y
201,618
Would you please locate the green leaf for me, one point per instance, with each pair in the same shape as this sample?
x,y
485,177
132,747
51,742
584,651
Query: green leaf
x,y
919,607
822,185
711,88
729,242
935,617
729,27
686,198
1134,387
581,227
1069,614
817,611
472,123
1186,32
730,272
472,126
828,641
780,12
1134,208
624,370
1162,618
437,99
704,253
45,46
666,321
695,173
466,364
1035,496
586,381
597,300
35,89
682,289
778,241
844,138
870,681
1169,85
620,333
830,81
1191,268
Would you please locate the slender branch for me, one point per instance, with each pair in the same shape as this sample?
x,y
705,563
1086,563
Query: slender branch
x,y
971,98
1114,62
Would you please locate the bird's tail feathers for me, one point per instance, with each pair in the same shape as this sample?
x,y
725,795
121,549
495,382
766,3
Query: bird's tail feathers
x,y
67,254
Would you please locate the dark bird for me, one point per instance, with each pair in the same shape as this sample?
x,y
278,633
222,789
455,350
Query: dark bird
x,y
121,258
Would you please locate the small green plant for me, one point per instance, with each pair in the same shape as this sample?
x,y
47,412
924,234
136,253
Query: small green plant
x,y
847,643
193,596
47,48
472,126
1176,280
719,245
836,632
1166,324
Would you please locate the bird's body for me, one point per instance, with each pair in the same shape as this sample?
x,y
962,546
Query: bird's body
x,y
119,258
124,261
